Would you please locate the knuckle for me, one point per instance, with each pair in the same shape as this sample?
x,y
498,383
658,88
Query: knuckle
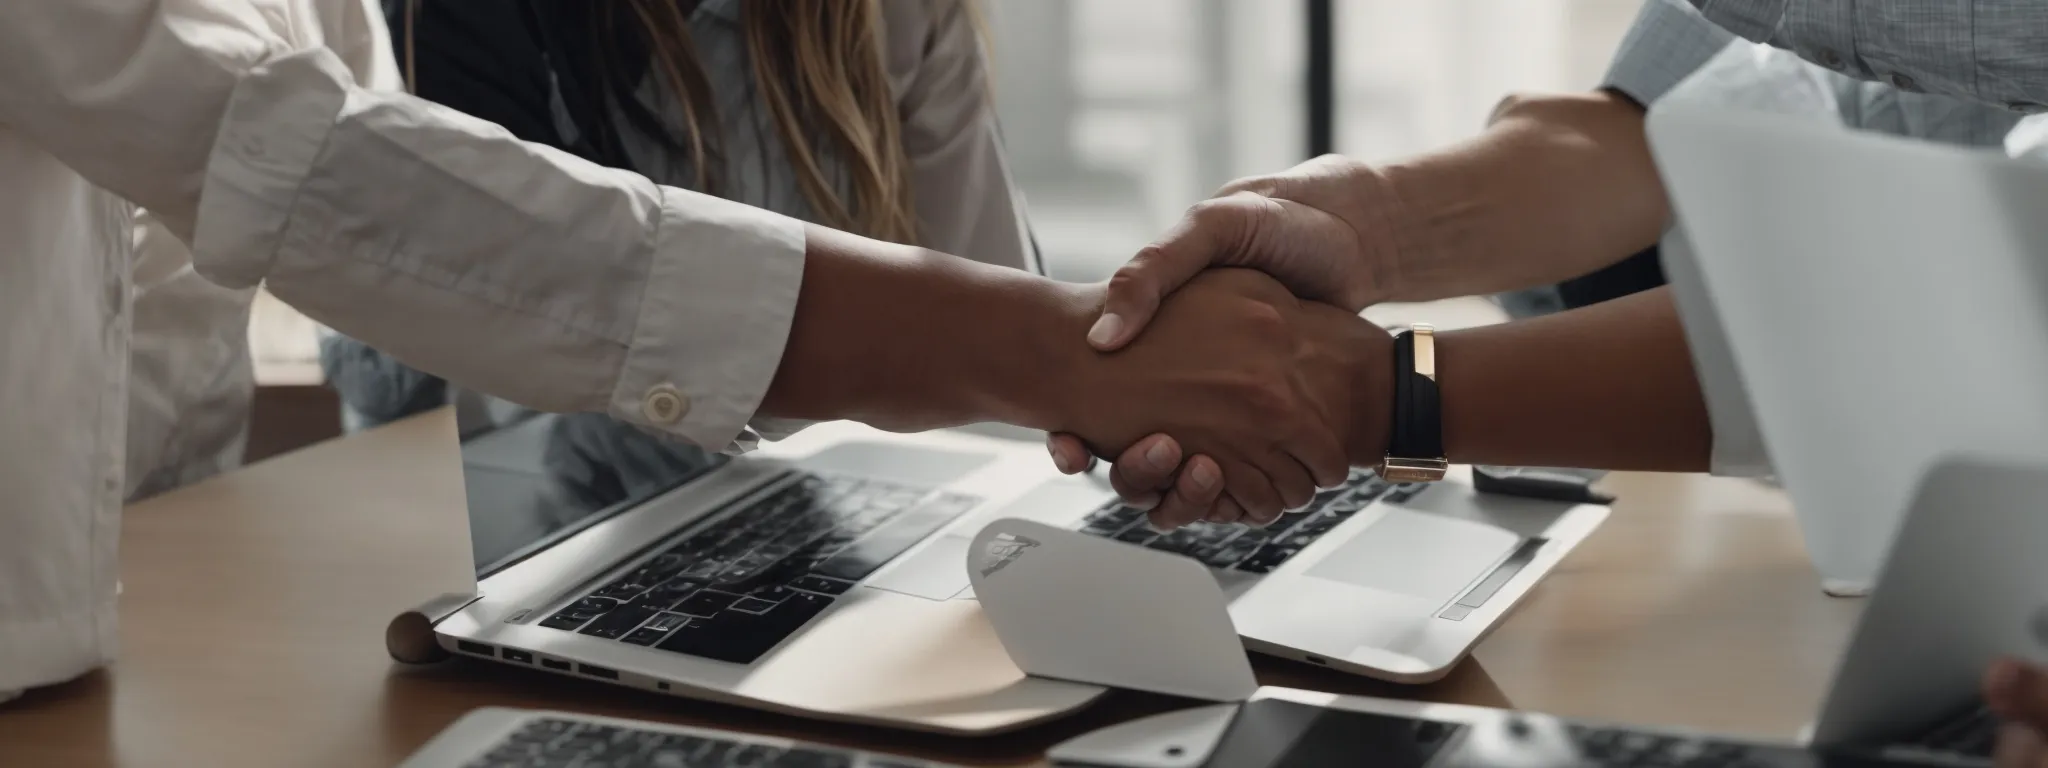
x,y
1216,210
1254,185
1263,319
1269,401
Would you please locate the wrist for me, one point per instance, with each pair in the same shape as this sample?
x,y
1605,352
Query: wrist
x,y
1025,370
1432,210
1372,397
1390,242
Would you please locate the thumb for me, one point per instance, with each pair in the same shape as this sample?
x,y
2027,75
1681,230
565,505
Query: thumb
x,y
1159,269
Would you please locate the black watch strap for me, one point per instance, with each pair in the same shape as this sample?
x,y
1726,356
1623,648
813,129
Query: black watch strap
x,y
1416,431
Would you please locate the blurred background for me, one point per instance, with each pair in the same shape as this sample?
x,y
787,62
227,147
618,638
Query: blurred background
x,y
1119,114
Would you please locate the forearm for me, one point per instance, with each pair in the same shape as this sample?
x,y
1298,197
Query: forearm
x,y
1609,386
1557,187
905,338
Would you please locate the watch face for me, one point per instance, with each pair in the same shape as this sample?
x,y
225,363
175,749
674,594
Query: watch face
x,y
1395,470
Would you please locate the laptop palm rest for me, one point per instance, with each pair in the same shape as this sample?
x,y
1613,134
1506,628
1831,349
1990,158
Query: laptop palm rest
x,y
1418,555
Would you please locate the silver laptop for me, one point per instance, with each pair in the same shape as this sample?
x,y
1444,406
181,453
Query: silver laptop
x,y
824,574
1965,584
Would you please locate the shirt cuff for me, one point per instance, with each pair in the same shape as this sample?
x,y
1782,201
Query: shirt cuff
x,y
1668,42
720,296
276,124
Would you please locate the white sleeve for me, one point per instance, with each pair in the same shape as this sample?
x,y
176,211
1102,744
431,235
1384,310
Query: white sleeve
x,y
505,267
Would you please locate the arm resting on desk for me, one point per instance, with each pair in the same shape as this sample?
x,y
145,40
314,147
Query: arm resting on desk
x,y
1610,386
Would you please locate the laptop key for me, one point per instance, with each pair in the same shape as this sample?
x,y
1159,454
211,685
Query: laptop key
x,y
1177,542
617,623
773,593
619,590
707,602
593,605
1140,536
1232,552
821,584
568,620
752,605
644,636
1267,558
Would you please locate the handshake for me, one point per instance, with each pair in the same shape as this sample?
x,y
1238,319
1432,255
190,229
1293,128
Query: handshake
x,y
1222,394
1236,401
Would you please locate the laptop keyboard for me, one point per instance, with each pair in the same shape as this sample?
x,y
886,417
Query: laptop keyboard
x,y
1244,548
1621,748
734,589
558,743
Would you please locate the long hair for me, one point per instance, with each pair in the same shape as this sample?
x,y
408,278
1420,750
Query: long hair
x,y
817,66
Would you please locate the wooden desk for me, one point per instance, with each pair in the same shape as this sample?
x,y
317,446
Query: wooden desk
x,y
255,605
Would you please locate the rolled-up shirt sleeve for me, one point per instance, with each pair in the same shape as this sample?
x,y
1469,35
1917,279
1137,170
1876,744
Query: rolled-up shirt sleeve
x,y
505,267
1669,41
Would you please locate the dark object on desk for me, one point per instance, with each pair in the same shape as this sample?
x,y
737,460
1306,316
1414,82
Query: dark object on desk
x,y
1572,485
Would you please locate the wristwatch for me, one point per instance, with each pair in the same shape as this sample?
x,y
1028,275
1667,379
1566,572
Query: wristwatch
x,y
1415,435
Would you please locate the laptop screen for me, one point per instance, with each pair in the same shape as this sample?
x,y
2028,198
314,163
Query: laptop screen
x,y
536,478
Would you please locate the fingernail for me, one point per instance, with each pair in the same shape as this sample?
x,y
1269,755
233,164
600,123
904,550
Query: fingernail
x,y
1106,329
1203,475
1059,458
1160,455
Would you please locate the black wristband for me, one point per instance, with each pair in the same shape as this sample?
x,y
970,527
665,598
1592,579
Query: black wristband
x,y
1416,430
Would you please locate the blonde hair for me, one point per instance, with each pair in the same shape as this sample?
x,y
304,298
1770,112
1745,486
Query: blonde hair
x,y
818,64
818,67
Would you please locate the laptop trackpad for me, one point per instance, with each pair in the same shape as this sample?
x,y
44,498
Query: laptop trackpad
x,y
1419,555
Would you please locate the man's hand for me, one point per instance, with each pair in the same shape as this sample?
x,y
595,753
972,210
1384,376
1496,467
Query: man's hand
x,y
2018,693
1322,228
1278,393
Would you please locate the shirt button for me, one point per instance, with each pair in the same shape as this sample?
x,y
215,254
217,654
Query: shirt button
x,y
665,404
1903,82
1828,58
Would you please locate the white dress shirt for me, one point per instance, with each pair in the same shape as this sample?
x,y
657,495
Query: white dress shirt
x,y
505,267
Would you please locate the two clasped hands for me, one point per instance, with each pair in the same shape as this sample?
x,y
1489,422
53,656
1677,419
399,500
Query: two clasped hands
x,y
1245,317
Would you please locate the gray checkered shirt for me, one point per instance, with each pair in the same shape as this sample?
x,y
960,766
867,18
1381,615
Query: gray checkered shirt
x,y
1955,71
